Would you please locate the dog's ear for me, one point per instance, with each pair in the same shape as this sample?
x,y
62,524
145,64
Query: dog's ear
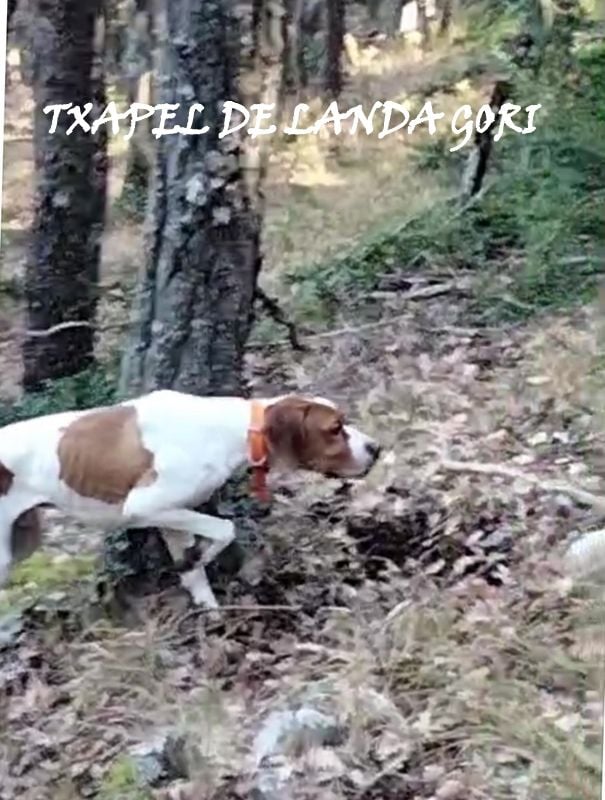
x,y
285,429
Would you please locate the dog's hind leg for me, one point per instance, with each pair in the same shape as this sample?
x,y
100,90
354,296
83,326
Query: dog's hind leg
x,y
26,534
6,547
20,532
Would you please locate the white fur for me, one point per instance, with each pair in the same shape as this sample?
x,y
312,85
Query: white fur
x,y
197,443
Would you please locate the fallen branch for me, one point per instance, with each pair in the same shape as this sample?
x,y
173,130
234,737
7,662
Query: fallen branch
x,y
421,293
274,310
61,326
580,495
64,326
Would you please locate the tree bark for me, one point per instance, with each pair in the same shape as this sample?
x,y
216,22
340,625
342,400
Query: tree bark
x,y
334,47
193,308
63,262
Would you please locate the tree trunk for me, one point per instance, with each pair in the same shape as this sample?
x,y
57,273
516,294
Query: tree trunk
x,y
63,262
193,309
257,22
135,71
334,47
424,27
476,166
445,22
194,304
12,5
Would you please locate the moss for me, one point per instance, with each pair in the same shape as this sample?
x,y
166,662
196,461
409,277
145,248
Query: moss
x,y
122,782
41,574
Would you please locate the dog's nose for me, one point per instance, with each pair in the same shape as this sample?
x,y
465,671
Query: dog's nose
x,y
373,448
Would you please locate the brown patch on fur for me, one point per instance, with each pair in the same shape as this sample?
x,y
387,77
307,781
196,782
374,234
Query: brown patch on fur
x,y
307,434
26,534
101,455
6,479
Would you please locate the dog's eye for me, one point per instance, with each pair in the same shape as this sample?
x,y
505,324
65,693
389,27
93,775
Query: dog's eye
x,y
336,428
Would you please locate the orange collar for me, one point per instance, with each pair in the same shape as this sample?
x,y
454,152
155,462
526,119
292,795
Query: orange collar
x,y
257,451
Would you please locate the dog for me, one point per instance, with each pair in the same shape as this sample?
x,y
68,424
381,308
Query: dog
x,y
147,462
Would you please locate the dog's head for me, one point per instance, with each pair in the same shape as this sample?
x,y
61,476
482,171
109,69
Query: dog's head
x,y
311,433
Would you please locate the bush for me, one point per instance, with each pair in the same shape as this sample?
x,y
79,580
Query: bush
x,y
90,388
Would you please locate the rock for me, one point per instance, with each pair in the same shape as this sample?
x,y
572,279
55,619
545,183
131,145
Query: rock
x,y
161,757
450,790
286,745
294,732
585,557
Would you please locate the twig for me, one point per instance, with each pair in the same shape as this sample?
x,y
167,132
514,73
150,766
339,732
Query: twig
x,y
583,497
413,294
432,290
274,310
394,765
249,609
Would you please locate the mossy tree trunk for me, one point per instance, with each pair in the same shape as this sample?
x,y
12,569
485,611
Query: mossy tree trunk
x,y
70,193
193,306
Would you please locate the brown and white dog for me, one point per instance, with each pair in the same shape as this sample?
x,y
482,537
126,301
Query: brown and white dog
x,y
147,462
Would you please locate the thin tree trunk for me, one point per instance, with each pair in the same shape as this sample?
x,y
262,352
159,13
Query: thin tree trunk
x,y
334,48
257,22
476,166
423,23
63,262
445,22
193,309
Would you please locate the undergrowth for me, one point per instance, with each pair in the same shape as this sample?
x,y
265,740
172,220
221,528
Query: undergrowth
x,y
88,389
535,237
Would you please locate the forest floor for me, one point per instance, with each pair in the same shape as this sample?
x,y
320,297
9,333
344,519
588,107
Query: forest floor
x,y
425,620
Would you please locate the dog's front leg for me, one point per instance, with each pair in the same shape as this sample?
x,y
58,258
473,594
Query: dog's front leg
x,y
186,524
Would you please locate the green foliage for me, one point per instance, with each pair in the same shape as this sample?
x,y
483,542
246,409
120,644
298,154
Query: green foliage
x,y
554,188
122,782
90,388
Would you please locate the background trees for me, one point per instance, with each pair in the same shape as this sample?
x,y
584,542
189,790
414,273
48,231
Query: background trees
x,y
63,264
